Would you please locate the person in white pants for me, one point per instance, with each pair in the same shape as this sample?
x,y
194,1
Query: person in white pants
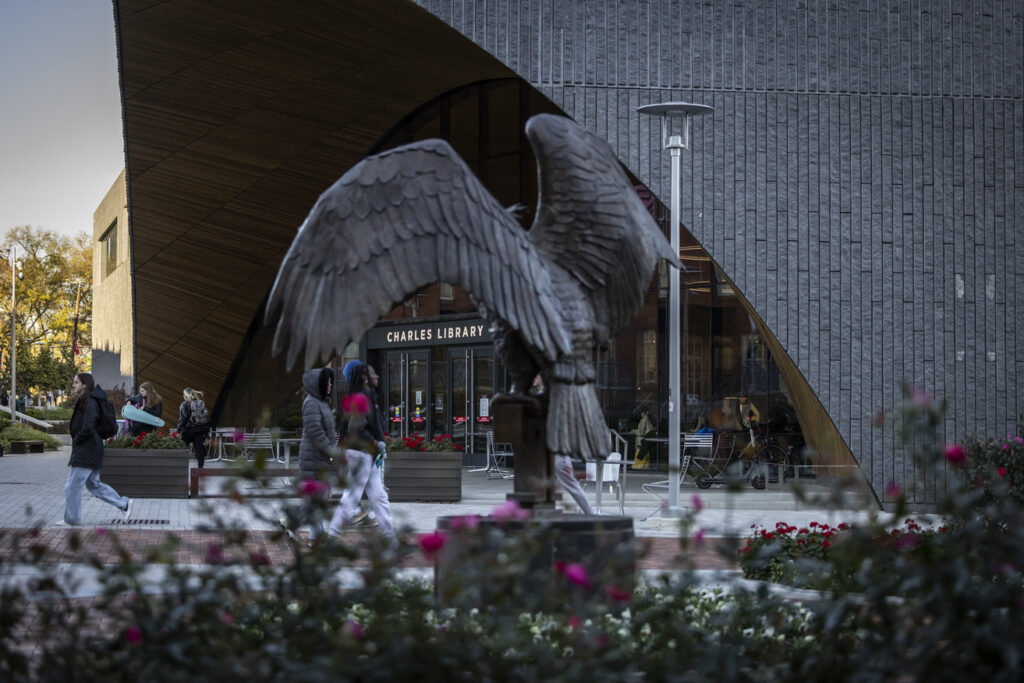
x,y
363,475
567,478
363,431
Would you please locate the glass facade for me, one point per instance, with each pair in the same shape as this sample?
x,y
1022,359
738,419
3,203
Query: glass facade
x,y
439,371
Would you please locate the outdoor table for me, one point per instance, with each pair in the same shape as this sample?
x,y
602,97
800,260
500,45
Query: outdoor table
x,y
286,445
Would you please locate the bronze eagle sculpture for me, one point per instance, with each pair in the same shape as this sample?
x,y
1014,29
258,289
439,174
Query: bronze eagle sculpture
x,y
415,215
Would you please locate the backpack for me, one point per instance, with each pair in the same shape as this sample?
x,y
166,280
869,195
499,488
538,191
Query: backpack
x,y
106,423
198,414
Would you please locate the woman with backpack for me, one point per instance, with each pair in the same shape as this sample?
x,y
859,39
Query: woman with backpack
x,y
149,401
194,423
87,452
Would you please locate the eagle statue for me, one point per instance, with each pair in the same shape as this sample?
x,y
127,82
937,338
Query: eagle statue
x,y
415,215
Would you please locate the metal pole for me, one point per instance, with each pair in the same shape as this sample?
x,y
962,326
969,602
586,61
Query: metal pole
x,y
14,352
675,147
675,144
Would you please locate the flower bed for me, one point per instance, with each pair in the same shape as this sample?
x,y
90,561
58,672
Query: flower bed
x,y
418,469
151,465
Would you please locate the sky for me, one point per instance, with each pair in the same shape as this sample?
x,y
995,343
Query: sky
x,y
61,138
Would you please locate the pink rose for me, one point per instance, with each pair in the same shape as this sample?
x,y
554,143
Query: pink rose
x,y
577,574
698,504
214,553
921,398
464,522
907,541
432,542
312,487
1002,471
356,404
510,511
574,621
893,490
226,618
132,634
698,537
354,628
956,455
616,594
259,559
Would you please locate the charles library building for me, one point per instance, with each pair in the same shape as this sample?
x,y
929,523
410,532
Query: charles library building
x,y
848,211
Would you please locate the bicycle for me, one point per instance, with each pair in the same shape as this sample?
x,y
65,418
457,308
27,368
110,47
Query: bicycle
x,y
770,455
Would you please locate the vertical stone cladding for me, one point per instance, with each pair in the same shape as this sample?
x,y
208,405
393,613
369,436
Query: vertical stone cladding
x,y
858,181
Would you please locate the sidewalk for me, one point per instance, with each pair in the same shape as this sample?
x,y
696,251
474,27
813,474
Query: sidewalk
x,y
32,495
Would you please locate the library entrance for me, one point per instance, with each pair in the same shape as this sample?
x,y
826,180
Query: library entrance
x,y
442,388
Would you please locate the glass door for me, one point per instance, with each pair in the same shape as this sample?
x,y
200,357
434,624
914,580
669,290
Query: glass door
x,y
483,392
458,407
408,393
438,408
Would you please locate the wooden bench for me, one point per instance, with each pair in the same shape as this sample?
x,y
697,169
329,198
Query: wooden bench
x,y
199,473
26,447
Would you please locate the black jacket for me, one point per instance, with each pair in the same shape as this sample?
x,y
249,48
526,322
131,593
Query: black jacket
x,y
157,410
86,444
185,422
365,427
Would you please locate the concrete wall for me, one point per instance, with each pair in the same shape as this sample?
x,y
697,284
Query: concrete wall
x,y
858,181
113,311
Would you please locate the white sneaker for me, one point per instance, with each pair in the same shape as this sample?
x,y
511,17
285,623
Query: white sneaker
x,y
61,522
128,509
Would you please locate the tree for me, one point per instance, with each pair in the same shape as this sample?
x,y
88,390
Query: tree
x,y
56,270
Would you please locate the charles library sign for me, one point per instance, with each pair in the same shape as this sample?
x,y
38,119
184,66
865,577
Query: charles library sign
x,y
428,334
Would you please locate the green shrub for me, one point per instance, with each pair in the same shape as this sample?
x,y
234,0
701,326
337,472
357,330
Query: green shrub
x,y
22,432
995,467
56,413
813,556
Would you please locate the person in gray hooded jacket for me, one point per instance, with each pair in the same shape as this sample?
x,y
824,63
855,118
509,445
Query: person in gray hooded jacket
x,y
318,437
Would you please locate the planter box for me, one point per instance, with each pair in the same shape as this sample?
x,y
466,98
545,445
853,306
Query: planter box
x,y
139,473
424,477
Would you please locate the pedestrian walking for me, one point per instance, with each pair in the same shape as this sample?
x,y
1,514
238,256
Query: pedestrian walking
x,y
564,472
365,452
87,453
318,443
194,423
149,401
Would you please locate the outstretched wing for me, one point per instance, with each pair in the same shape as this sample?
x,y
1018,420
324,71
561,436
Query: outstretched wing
x,y
591,223
395,223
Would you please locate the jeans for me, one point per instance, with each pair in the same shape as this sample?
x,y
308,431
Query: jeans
x,y
90,479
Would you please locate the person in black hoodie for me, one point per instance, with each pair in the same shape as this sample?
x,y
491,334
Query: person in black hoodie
x,y
87,454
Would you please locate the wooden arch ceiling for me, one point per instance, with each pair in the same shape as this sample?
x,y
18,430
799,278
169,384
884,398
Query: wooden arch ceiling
x,y
237,115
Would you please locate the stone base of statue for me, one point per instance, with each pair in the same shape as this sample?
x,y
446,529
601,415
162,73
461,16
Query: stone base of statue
x,y
547,561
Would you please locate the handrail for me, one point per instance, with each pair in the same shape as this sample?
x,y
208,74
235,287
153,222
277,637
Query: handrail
x,y
27,418
616,440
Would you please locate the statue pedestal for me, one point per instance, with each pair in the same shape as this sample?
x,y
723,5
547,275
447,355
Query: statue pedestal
x,y
522,421
519,566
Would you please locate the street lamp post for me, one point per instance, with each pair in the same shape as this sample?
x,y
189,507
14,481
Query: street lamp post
x,y
675,144
12,254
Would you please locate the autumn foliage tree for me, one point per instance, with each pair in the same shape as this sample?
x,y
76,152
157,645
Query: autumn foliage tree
x,y
56,273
